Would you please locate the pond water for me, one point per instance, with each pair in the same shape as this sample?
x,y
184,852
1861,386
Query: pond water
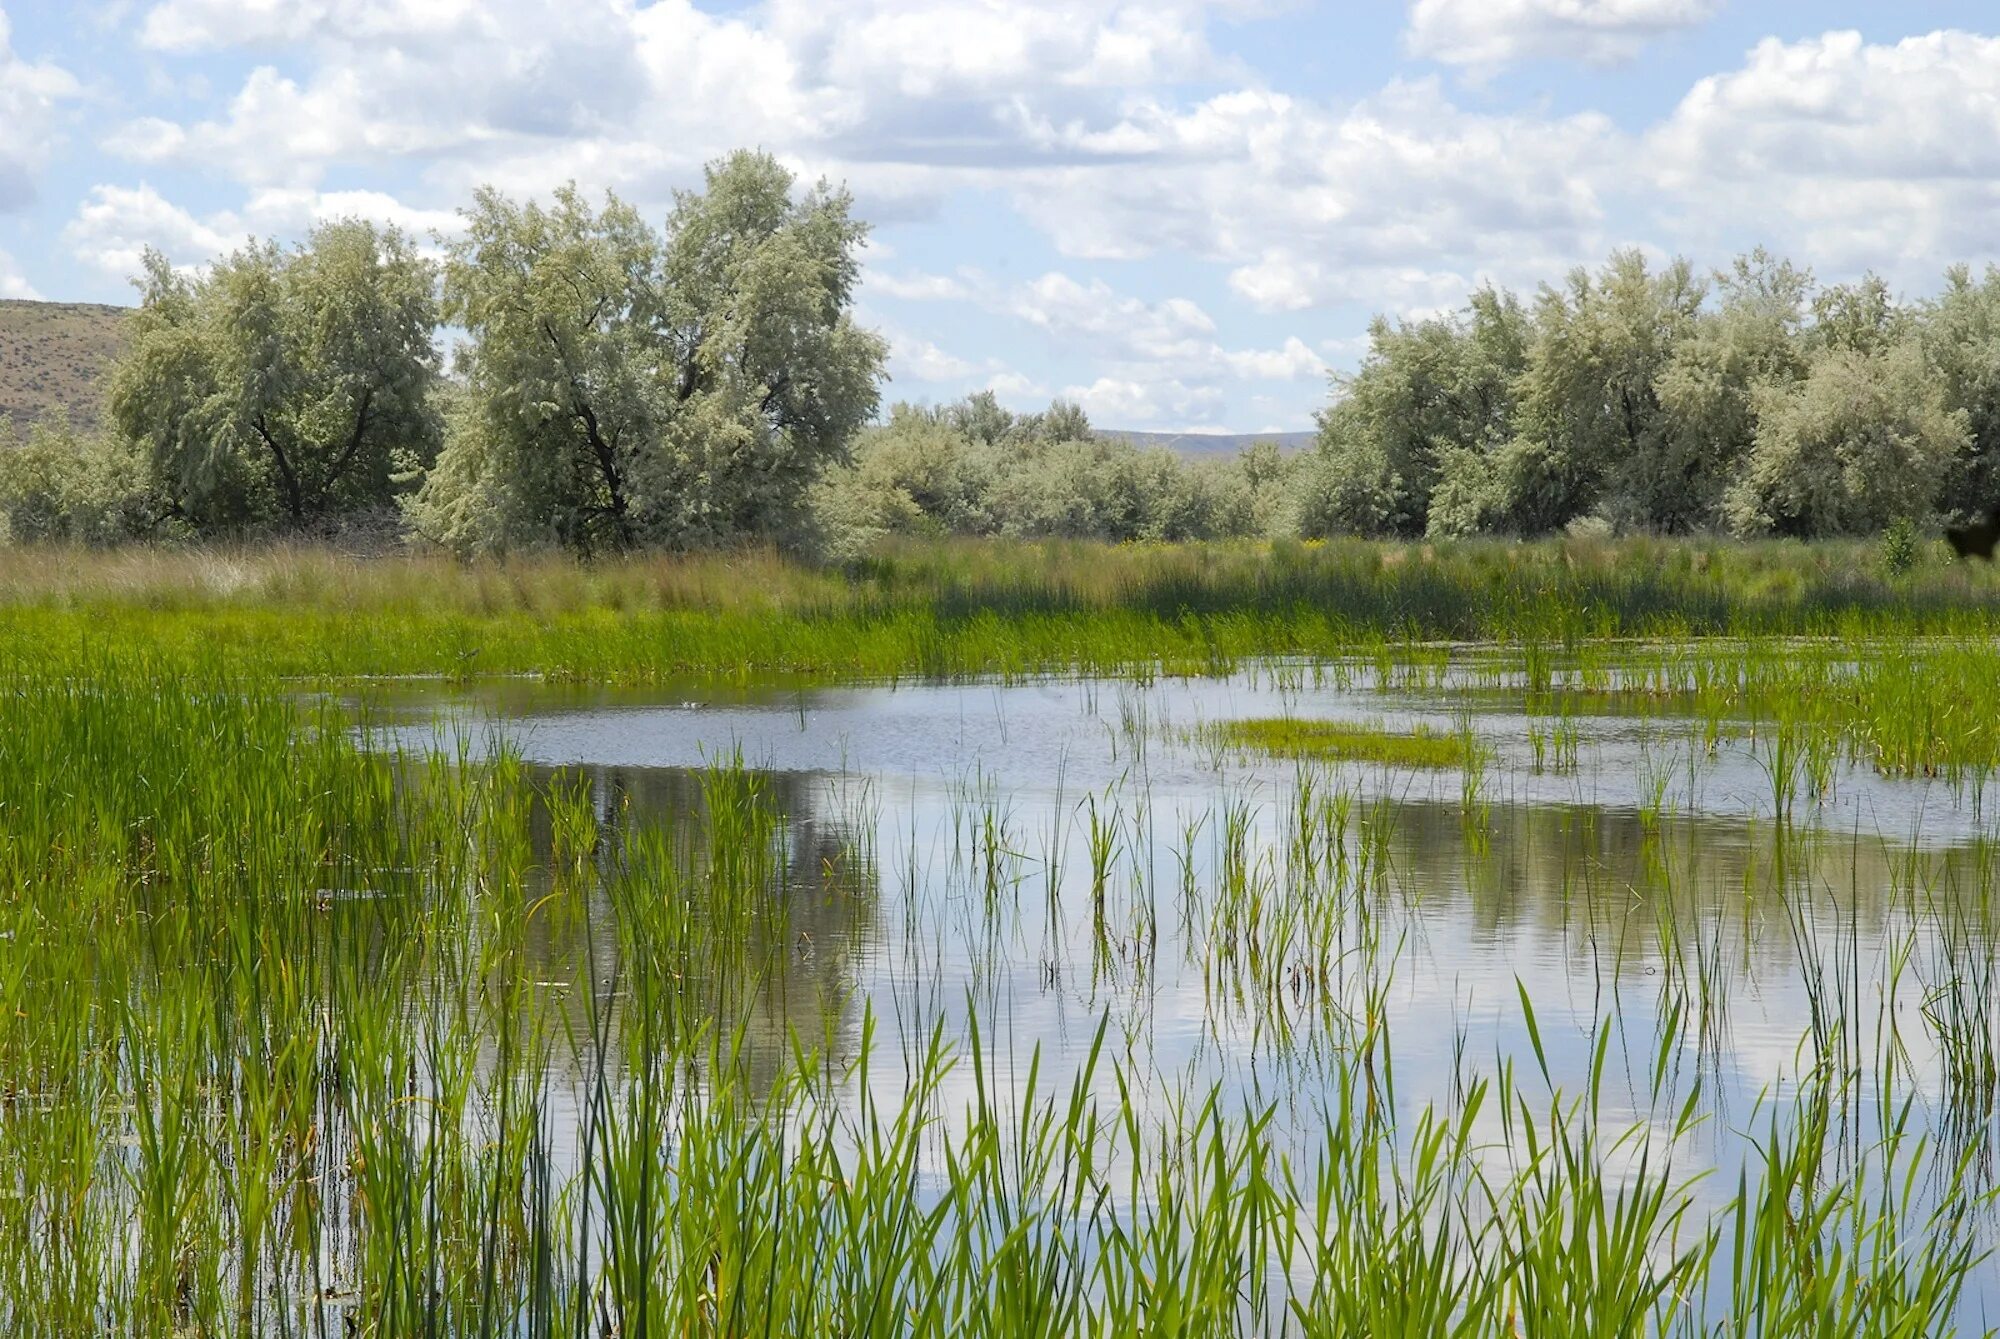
x,y
1023,863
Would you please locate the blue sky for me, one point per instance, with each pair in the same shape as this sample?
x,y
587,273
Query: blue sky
x,y
1181,213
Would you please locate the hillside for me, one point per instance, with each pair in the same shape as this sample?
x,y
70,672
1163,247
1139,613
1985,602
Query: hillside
x,y
53,355
1204,444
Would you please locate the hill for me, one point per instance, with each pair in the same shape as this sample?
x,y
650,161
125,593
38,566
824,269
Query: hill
x,y
1206,444
54,355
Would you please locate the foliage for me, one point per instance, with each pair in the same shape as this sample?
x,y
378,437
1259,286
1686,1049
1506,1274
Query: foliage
x,y
1341,741
1427,393
1656,401
61,486
283,387
1864,439
974,469
627,386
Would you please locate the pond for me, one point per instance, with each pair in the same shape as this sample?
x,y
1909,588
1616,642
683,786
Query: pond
x,y
1620,901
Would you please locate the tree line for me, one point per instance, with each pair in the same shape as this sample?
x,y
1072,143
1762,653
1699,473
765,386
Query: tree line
x,y
617,384
1752,402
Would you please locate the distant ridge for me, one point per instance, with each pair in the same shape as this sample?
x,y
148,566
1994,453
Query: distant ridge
x,y
53,355
1204,444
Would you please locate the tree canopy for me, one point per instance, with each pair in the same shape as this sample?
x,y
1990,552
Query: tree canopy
x,y
1651,398
626,385
282,386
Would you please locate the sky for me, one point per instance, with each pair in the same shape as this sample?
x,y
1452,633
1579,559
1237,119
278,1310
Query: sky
x,y
1182,214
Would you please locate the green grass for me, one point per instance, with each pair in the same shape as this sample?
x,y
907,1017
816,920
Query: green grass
x,y
1341,741
297,1038
955,608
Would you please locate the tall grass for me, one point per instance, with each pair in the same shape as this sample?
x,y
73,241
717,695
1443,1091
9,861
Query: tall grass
x,y
951,608
302,1039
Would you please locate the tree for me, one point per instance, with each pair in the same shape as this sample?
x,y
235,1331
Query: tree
x,y
1709,393
62,486
283,387
1961,342
1864,439
628,386
1426,389
563,311
1590,427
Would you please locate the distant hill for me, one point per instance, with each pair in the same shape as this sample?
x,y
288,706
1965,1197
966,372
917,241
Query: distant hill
x,y
54,355
1208,443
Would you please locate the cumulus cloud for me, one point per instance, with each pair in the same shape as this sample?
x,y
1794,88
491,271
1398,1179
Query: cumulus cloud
x,y
115,224
1064,108
525,93
915,287
1167,402
31,92
1853,153
1112,128
915,359
1487,34
1401,194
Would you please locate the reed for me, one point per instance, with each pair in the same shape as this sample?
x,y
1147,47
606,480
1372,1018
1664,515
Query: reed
x,y
300,1036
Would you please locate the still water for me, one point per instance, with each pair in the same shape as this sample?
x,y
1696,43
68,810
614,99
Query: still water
x,y
1024,863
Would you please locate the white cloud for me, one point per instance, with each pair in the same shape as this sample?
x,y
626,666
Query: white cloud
x,y
1161,403
914,286
1395,197
1062,106
115,224
1486,34
291,210
14,284
1294,362
527,93
914,359
1849,153
1016,388
30,95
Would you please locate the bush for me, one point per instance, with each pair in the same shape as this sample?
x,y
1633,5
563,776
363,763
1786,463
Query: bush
x,y
62,486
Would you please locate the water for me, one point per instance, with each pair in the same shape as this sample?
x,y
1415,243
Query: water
x,y
1024,863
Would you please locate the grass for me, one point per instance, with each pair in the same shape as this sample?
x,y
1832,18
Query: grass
x,y
957,608
1342,741
298,1038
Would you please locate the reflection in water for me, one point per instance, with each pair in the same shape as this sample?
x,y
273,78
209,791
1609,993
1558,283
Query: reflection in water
x,y
620,994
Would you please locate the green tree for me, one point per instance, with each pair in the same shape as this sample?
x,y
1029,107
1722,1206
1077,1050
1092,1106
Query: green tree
x,y
1590,426
283,387
62,486
1426,390
1709,393
1865,438
627,386
563,312
1961,342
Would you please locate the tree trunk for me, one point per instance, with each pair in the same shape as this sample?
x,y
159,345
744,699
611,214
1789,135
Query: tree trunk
x,y
295,501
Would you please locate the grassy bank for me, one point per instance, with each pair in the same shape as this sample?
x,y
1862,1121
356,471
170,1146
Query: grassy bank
x,y
952,608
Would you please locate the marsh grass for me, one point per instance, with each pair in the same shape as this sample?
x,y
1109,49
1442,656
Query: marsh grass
x,y
961,607
297,1038
1341,741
